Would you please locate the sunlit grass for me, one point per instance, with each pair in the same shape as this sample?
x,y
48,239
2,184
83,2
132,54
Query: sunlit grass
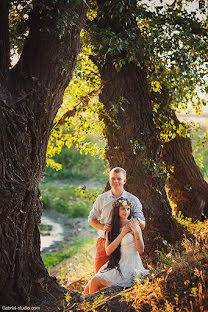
x,y
74,272
179,284
79,243
197,228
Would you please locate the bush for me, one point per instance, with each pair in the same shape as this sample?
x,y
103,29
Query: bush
x,y
76,166
65,200
200,150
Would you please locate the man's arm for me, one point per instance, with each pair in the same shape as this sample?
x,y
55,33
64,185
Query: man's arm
x,y
97,225
137,212
95,214
141,223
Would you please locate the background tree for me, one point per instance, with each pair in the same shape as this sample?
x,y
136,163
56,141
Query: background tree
x,y
30,96
130,131
179,72
139,55
172,45
169,44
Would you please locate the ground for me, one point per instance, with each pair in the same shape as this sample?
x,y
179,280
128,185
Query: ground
x,y
179,282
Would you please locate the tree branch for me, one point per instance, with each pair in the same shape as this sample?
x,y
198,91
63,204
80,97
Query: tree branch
x,y
195,26
71,113
4,40
85,99
50,49
68,114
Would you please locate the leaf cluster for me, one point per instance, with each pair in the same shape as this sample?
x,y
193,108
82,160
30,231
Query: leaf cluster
x,y
50,17
176,54
114,32
81,94
169,41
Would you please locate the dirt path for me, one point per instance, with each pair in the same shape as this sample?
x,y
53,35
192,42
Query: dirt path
x,y
63,231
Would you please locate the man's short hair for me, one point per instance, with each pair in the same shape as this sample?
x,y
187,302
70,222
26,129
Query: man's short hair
x,y
118,170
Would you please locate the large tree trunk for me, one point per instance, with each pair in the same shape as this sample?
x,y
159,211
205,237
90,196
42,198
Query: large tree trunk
x,y
130,131
30,96
132,143
186,186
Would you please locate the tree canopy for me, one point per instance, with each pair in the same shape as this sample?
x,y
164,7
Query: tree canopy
x,y
169,40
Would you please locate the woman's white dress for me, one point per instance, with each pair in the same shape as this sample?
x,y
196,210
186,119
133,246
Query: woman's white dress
x,y
130,265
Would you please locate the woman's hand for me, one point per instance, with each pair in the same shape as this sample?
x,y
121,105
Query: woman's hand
x,y
134,226
125,229
109,248
107,227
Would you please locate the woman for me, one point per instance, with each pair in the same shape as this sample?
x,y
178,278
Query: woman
x,y
124,244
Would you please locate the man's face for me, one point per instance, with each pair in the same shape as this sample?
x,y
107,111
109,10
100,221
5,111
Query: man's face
x,y
117,180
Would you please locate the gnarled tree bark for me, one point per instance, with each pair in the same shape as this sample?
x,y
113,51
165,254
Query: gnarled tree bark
x,y
30,95
132,139
132,143
186,187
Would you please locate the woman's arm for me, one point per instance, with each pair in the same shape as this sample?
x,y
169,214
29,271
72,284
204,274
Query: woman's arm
x,y
110,247
106,240
133,224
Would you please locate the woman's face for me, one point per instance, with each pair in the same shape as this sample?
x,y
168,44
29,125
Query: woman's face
x,y
124,211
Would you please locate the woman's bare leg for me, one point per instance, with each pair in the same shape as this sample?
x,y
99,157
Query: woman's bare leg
x,y
87,290
95,284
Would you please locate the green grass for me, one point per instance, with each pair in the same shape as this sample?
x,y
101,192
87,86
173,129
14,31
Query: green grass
x,y
50,260
67,200
45,229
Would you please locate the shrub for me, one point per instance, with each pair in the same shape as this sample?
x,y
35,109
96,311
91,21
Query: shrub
x,y
65,200
76,166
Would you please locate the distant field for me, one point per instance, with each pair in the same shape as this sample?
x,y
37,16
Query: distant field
x,y
202,119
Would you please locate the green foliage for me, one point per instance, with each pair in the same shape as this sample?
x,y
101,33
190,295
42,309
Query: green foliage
x,y
175,50
65,200
89,195
82,95
63,14
200,149
198,228
18,26
165,259
77,167
172,45
166,40
167,126
115,33
51,260
45,229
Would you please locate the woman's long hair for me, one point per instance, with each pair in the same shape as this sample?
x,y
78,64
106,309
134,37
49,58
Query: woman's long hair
x,y
114,232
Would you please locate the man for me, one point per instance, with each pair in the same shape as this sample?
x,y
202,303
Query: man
x,y
101,213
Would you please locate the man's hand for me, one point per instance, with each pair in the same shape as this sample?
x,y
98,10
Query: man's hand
x,y
140,222
107,227
134,225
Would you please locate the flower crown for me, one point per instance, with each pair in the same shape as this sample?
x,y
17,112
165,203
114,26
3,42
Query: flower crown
x,y
122,202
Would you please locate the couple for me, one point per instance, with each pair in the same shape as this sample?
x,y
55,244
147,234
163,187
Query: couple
x,y
120,242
